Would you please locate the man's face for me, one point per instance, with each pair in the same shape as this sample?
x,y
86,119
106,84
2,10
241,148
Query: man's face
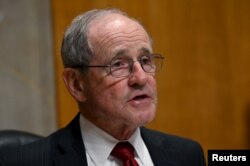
x,y
131,100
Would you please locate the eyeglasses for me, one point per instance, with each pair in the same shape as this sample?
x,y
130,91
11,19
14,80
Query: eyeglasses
x,y
123,66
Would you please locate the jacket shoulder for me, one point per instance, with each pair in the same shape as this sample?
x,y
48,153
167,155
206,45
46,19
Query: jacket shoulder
x,y
169,140
184,151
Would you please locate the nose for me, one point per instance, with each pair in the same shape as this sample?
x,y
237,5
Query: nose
x,y
138,77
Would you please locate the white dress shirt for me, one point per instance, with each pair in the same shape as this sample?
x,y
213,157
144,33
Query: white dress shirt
x,y
99,144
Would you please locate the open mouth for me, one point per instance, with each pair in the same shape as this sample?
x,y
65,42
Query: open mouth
x,y
140,101
140,97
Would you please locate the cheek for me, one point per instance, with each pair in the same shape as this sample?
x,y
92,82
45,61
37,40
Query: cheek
x,y
152,83
116,93
111,95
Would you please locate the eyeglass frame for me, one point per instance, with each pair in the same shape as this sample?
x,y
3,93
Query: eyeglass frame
x,y
130,65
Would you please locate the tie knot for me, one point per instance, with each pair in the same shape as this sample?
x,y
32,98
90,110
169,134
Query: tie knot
x,y
125,152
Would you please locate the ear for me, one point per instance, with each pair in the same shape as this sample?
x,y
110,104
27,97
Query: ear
x,y
75,83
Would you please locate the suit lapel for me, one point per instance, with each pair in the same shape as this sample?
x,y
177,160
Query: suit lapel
x,y
159,154
70,149
70,158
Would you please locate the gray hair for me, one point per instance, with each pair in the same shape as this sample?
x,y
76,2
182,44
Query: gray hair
x,y
75,49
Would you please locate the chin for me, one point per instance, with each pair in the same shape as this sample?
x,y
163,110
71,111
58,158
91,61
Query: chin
x,y
145,118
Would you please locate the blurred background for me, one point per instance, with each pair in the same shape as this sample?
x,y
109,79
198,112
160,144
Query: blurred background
x,y
203,88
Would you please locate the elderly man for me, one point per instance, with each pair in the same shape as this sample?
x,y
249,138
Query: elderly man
x,y
110,71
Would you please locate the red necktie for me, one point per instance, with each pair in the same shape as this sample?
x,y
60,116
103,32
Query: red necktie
x,y
125,152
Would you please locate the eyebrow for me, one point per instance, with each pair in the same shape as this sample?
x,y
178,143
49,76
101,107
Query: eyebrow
x,y
145,50
123,52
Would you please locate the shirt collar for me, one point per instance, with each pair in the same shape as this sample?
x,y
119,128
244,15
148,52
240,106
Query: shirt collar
x,y
99,144
139,146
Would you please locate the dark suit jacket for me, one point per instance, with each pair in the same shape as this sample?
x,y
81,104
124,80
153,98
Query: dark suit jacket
x,y
65,148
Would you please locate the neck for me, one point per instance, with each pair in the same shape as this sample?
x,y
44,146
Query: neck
x,y
115,128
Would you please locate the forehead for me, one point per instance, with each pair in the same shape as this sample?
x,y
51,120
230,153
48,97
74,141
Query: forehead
x,y
115,32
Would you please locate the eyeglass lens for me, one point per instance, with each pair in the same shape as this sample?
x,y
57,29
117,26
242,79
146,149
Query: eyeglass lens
x,y
123,66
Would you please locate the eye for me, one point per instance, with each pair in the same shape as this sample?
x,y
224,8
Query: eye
x,y
146,60
119,64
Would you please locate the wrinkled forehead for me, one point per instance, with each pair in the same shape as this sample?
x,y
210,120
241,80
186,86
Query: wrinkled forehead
x,y
105,31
